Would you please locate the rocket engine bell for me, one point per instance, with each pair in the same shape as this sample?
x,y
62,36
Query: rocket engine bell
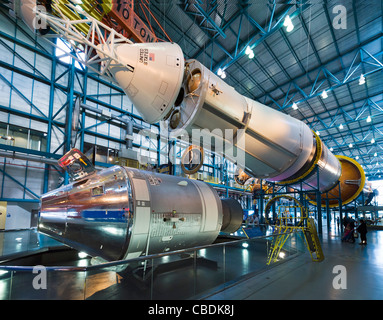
x,y
123,213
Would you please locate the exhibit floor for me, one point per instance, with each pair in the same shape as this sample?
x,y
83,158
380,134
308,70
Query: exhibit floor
x,y
349,271
188,274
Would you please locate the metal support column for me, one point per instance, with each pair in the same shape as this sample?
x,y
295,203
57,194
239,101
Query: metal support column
x,y
50,120
69,112
340,210
260,205
319,204
328,213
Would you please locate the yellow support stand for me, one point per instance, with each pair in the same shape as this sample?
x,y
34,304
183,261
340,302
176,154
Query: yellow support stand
x,y
277,245
312,241
284,228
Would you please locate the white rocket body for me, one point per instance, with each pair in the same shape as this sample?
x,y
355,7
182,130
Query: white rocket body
x,y
277,146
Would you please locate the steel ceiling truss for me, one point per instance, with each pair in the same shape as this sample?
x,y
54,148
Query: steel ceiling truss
x,y
363,63
261,33
202,17
274,23
328,80
345,118
305,89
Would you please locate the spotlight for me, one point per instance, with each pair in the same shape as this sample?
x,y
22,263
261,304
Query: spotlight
x,y
249,52
221,73
290,28
82,255
288,24
7,138
362,80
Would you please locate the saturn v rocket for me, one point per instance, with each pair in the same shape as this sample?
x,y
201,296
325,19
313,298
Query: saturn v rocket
x,y
278,147
122,213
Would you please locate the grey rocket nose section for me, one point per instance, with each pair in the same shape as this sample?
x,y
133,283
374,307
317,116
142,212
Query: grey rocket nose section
x,y
152,77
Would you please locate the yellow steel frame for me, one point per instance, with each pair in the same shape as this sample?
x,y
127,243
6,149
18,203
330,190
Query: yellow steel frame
x,y
283,230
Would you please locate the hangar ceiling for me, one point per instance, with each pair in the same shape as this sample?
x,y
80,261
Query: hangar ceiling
x,y
335,46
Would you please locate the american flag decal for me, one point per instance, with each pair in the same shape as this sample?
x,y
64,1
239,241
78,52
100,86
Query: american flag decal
x,y
151,56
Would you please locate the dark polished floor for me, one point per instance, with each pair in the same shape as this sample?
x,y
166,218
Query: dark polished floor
x,y
350,271
195,276
178,276
18,242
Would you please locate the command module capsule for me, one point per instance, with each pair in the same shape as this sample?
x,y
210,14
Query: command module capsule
x,y
123,213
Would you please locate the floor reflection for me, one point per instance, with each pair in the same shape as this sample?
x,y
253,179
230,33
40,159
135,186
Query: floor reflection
x,y
20,241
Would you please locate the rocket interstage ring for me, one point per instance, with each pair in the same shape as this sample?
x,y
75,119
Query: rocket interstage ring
x,y
192,159
283,219
351,182
304,172
241,177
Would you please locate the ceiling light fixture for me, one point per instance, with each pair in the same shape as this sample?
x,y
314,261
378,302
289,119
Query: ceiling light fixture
x,y
295,107
7,138
221,73
368,119
341,126
249,52
290,28
324,94
350,145
362,80
288,24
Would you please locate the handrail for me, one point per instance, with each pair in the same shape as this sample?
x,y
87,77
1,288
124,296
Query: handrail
x,y
142,258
